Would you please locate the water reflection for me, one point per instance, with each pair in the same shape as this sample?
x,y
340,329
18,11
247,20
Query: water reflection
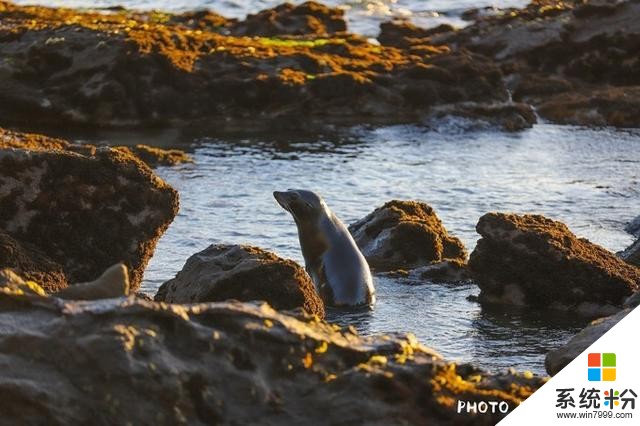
x,y
443,316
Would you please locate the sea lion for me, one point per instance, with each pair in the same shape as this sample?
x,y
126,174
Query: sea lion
x,y
332,259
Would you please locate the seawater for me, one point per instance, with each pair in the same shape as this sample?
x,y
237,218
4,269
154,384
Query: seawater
x,y
586,178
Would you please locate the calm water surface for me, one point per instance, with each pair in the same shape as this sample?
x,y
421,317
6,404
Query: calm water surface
x,y
589,179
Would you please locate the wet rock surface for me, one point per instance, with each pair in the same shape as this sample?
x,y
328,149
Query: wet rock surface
x,y
447,271
444,272
633,227
510,116
558,358
632,253
576,62
533,260
124,69
223,362
152,156
403,34
244,273
309,18
82,212
405,235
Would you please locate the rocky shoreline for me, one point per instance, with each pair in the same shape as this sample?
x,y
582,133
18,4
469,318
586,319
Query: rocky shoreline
x,y
208,349
298,67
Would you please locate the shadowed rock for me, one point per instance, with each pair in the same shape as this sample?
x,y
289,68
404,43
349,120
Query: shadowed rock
x,y
449,271
576,62
405,235
632,253
401,33
558,358
309,18
245,273
532,260
633,227
224,363
84,212
31,263
446,271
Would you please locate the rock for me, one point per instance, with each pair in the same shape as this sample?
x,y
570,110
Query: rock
x,y
309,18
114,282
16,285
402,33
203,20
29,262
244,273
576,62
613,106
633,227
632,253
532,260
152,156
536,85
85,213
224,363
632,301
447,271
558,358
508,116
405,235
133,69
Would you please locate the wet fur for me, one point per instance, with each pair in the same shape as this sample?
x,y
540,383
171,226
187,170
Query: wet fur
x,y
332,259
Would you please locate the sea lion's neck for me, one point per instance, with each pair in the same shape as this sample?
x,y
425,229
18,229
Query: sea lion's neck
x,y
312,242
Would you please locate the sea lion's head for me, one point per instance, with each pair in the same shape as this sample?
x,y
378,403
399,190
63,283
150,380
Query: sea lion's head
x,y
305,206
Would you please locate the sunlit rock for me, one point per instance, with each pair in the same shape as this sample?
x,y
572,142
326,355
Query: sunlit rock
x,y
83,212
245,273
405,235
138,362
532,260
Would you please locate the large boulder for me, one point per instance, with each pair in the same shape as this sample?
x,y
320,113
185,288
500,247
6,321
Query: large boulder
x,y
224,363
533,260
244,273
558,358
83,212
405,235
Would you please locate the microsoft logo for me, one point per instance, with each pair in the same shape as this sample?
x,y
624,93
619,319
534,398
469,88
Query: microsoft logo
x,y
602,367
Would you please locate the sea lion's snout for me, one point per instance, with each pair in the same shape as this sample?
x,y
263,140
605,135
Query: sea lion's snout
x,y
283,198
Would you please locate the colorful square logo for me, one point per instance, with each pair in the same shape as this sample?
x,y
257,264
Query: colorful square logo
x,y
602,367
